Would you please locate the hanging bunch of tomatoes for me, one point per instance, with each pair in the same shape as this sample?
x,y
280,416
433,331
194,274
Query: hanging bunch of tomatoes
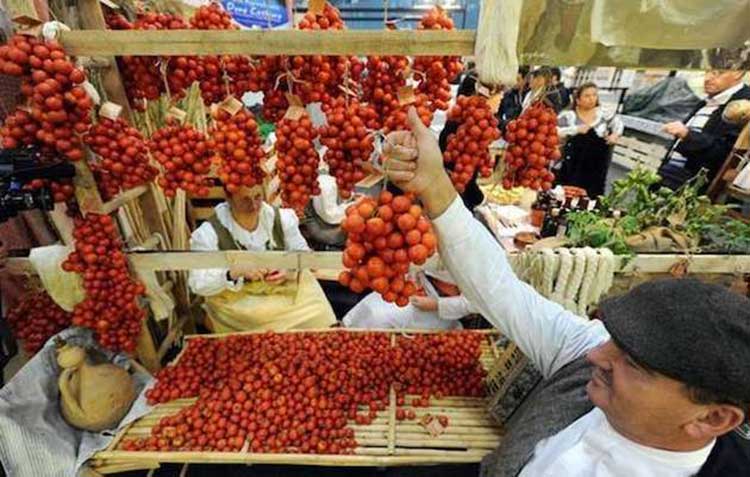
x,y
212,17
141,74
317,78
123,158
349,142
35,319
111,306
436,72
59,106
385,76
236,145
297,161
532,148
468,147
251,389
383,238
184,156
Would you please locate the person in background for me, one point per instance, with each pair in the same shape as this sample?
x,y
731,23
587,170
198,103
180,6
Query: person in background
x,y
441,309
326,212
658,387
589,137
540,88
512,102
558,86
704,140
243,297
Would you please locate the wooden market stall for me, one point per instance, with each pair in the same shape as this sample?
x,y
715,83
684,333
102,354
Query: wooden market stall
x,y
156,231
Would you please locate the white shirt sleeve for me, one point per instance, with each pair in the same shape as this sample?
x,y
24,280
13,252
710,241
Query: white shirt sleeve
x,y
326,204
454,307
292,235
616,126
566,124
209,281
548,335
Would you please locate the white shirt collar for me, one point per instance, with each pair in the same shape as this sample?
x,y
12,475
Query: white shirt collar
x,y
724,96
255,240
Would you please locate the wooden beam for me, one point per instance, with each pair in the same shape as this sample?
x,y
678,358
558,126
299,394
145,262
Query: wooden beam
x,y
92,17
123,198
252,42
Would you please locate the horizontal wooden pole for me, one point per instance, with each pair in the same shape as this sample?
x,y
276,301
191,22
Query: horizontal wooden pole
x,y
260,42
156,261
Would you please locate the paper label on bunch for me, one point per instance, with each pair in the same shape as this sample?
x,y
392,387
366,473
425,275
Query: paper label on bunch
x,y
317,116
294,113
92,92
482,89
316,6
110,110
293,100
406,95
231,105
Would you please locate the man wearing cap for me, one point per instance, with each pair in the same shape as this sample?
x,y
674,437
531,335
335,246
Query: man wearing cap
x,y
655,389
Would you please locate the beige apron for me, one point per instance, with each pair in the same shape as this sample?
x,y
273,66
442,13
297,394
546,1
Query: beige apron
x,y
297,304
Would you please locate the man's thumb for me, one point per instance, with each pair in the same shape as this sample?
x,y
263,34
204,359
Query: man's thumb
x,y
415,122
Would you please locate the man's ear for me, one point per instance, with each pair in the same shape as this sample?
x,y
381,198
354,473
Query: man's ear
x,y
716,421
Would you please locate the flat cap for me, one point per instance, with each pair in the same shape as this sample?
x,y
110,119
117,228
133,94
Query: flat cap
x,y
694,332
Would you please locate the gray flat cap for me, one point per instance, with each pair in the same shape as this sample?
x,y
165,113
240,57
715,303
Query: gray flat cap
x,y
691,331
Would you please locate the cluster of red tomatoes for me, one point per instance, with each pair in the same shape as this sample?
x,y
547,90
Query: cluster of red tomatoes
x,y
141,74
35,319
437,71
349,142
385,76
59,106
398,118
236,145
299,392
468,147
183,153
123,158
383,238
111,306
297,161
532,148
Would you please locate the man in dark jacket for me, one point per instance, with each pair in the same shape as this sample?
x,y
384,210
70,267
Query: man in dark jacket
x,y
512,103
704,139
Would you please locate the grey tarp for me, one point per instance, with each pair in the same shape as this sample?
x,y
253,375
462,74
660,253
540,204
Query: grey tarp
x,y
671,99
35,441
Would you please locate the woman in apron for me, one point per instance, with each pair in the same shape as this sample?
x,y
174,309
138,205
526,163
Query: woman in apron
x,y
590,137
241,298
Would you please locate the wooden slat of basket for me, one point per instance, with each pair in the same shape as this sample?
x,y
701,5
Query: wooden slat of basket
x,y
412,426
392,420
295,459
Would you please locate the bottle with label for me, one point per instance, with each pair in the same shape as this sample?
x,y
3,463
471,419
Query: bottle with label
x,y
549,228
539,210
562,227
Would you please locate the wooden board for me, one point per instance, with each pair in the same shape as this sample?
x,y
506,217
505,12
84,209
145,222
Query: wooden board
x,y
470,435
253,42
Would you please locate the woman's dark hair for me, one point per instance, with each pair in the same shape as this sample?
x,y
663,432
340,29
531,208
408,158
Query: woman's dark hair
x,y
579,92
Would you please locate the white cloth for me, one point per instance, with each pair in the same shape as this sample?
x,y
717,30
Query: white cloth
x,y
326,205
212,281
701,117
568,122
550,337
372,312
591,447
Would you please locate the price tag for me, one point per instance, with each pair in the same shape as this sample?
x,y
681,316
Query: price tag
x,y
92,92
177,114
110,110
294,100
294,113
316,6
482,89
23,12
406,95
231,105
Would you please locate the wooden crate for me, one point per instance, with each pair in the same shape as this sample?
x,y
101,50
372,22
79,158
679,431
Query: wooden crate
x,y
631,152
470,435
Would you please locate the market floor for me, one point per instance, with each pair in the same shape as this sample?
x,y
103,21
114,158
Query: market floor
x,y
206,470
